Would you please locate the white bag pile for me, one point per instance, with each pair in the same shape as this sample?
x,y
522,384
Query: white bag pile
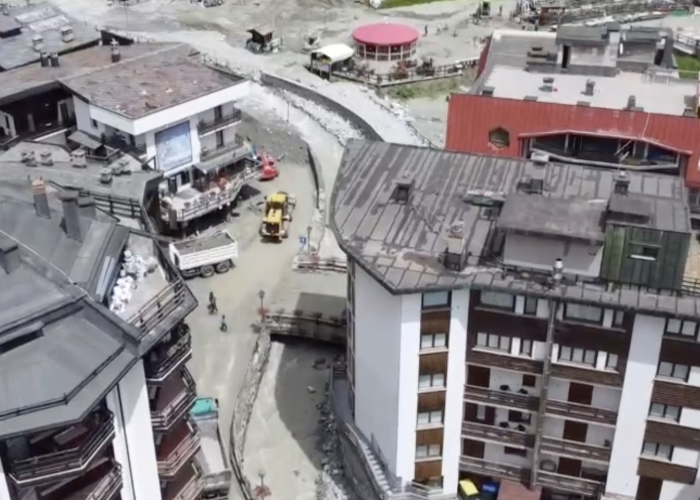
x,y
133,271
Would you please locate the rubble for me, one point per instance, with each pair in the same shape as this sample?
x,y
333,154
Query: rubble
x,y
134,270
331,483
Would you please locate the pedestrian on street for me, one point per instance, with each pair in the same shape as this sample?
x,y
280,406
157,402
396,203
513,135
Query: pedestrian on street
x,y
224,326
213,309
426,30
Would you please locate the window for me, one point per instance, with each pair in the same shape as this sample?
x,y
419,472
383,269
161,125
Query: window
x,y
480,413
519,417
577,355
493,341
659,410
436,299
529,380
431,380
430,418
643,252
579,312
514,451
657,450
434,341
499,300
672,370
94,123
499,137
526,348
428,451
611,362
530,306
681,328
618,319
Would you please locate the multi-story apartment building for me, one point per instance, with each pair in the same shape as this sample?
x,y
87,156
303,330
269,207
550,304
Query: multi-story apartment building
x,y
93,404
519,322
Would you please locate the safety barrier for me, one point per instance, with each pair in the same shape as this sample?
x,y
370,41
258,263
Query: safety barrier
x,y
244,408
329,329
313,262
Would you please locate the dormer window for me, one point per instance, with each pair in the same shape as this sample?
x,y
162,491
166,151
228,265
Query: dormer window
x,y
402,190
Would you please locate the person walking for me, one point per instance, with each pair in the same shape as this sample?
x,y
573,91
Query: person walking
x,y
213,309
224,326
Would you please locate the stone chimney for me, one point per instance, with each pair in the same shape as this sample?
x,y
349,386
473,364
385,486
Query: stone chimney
x,y
29,158
9,255
67,34
5,8
631,102
622,183
116,53
71,215
55,61
38,43
86,207
46,158
41,199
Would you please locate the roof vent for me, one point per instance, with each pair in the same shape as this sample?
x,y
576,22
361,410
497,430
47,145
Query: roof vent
x,y
41,199
106,176
67,34
530,98
585,104
55,63
9,255
631,102
38,43
402,190
455,254
71,215
46,158
590,88
78,159
547,84
539,158
45,60
622,183
488,91
29,158
116,54
5,8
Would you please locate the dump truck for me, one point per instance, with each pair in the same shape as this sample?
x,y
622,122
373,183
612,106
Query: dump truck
x,y
278,215
217,474
204,255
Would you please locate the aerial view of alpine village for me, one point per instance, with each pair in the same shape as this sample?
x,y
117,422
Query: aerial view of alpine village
x,y
349,249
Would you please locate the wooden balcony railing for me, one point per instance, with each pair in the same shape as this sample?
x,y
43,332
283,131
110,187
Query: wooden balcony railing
x,y
495,469
161,307
109,486
207,126
165,360
575,449
569,484
183,452
575,411
165,418
117,142
38,467
508,437
227,147
481,395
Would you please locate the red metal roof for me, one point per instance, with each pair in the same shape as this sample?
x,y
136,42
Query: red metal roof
x,y
385,34
471,117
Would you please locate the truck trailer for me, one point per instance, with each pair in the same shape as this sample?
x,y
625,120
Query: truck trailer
x,y
204,255
217,473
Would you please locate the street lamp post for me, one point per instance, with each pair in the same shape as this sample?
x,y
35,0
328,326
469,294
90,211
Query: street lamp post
x,y
261,296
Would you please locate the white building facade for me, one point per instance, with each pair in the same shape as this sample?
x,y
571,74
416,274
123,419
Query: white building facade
x,y
448,385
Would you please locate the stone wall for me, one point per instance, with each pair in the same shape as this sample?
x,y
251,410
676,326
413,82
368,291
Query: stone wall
x,y
318,222
244,407
306,93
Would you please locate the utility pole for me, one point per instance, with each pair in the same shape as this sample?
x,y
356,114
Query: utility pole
x,y
553,303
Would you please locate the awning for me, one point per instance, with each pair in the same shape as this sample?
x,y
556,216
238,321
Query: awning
x,y
467,488
336,52
84,140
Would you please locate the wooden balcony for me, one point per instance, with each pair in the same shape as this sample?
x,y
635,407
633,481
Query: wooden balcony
x,y
205,127
494,469
575,449
666,471
569,484
490,397
117,142
496,434
166,310
64,453
186,485
233,146
177,449
581,413
176,397
167,357
101,482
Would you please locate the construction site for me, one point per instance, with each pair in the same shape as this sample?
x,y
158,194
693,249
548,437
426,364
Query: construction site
x,y
261,244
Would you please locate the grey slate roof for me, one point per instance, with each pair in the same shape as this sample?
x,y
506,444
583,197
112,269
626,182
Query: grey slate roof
x,y
142,86
43,382
45,20
399,244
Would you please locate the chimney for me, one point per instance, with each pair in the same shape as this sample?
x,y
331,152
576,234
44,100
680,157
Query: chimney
x,y
9,255
86,207
55,63
46,158
77,159
547,84
631,102
5,8
29,159
622,183
71,215
38,43
67,34
116,54
590,88
41,199
45,60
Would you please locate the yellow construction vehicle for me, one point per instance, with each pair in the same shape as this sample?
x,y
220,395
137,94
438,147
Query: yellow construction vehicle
x,y
278,214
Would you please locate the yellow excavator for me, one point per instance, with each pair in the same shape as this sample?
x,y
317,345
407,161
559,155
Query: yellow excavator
x,y
278,214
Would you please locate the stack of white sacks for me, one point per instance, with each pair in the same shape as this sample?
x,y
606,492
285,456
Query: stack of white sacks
x,y
133,271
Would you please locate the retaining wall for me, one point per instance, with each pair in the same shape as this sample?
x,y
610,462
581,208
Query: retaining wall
x,y
317,327
318,222
244,408
307,93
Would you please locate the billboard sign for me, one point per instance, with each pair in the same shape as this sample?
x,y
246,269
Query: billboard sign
x,y
174,147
